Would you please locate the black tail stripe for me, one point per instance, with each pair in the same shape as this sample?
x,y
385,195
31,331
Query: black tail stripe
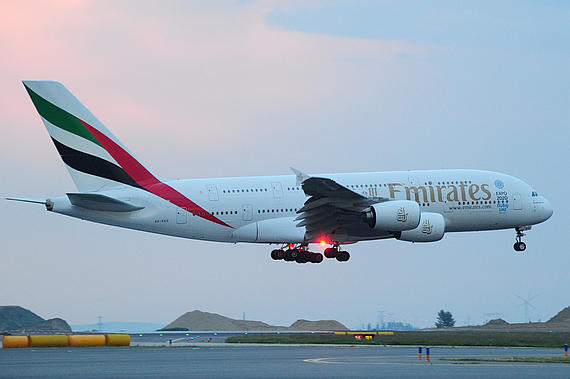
x,y
93,165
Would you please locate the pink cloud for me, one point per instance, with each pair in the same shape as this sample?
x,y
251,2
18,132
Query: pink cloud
x,y
188,73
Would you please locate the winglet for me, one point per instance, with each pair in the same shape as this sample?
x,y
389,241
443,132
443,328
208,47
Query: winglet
x,y
301,176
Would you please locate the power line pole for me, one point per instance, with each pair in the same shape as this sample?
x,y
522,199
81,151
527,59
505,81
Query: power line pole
x,y
100,323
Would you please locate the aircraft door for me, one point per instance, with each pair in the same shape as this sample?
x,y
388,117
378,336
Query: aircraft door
x,y
277,191
212,192
517,201
247,212
181,215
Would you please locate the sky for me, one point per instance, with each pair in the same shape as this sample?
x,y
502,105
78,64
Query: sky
x,y
244,88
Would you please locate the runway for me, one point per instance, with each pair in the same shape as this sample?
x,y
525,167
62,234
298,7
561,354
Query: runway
x,y
219,361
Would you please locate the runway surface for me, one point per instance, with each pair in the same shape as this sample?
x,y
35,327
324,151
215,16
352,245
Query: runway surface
x,y
218,360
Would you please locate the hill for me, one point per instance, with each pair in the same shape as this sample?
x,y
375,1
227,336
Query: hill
x,y
15,319
320,325
205,321
559,323
561,317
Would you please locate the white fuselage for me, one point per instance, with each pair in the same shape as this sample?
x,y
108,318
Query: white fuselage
x,y
469,200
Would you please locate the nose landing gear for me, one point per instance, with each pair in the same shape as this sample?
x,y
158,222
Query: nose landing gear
x,y
520,245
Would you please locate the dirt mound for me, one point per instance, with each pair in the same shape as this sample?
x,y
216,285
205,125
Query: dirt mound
x,y
205,321
497,321
319,325
562,316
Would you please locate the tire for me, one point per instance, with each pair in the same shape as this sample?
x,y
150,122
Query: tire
x,y
316,258
287,256
331,252
522,246
277,254
343,256
303,257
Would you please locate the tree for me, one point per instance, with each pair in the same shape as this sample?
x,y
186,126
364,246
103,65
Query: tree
x,y
444,319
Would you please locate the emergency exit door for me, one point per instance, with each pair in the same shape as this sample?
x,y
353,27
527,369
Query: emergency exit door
x,y
247,212
181,214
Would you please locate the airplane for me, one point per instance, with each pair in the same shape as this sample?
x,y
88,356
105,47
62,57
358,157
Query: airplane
x,y
290,211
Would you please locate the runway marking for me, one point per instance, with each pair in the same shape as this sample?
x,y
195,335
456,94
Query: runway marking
x,y
345,361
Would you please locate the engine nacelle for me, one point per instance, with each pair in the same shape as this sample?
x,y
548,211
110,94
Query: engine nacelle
x,y
394,216
430,229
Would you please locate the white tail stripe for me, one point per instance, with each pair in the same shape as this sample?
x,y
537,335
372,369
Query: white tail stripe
x,y
76,142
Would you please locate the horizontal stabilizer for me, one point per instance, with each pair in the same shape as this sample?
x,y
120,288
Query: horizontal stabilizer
x,y
98,202
26,200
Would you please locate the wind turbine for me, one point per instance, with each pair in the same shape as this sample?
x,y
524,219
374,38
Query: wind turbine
x,y
527,304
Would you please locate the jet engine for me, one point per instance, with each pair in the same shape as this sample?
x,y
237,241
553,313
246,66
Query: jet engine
x,y
430,229
393,216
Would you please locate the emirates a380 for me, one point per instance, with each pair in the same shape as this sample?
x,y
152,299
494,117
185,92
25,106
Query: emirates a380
x,y
289,211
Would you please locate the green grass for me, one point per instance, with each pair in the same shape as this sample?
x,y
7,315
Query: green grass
x,y
512,359
504,339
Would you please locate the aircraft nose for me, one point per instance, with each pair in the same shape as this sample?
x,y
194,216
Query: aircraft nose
x,y
548,210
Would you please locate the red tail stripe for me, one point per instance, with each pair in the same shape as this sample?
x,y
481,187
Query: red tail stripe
x,y
146,180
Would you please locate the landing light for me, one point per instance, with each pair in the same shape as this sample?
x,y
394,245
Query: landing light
x,y
323,242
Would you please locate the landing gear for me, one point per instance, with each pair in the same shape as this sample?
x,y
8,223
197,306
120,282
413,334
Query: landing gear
x,y
343,256
334,252
520,245
299,254
277,254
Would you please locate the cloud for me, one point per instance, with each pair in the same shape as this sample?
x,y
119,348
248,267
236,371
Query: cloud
x,y
204,72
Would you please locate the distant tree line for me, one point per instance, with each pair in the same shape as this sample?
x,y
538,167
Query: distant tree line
x,y
391,325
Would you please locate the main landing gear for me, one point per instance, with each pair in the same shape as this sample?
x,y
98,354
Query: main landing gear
x,y
520,245
301,254
335,252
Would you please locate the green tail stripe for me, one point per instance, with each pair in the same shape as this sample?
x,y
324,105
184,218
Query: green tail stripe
x,y
60,118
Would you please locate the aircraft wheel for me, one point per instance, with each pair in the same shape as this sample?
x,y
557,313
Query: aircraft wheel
x,y
316,258
343,256
303,257
331,252
277,254
520,246
288,256
280,254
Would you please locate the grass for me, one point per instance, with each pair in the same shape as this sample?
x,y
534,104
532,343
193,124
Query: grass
x,y
512,359
418,338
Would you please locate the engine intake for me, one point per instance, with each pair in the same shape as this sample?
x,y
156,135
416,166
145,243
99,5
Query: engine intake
x,y
393,216
430,229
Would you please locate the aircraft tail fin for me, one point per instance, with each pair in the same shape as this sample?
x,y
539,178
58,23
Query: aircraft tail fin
x,y
95,158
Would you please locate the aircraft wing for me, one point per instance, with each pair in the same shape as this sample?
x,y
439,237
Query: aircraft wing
x,y
332,209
